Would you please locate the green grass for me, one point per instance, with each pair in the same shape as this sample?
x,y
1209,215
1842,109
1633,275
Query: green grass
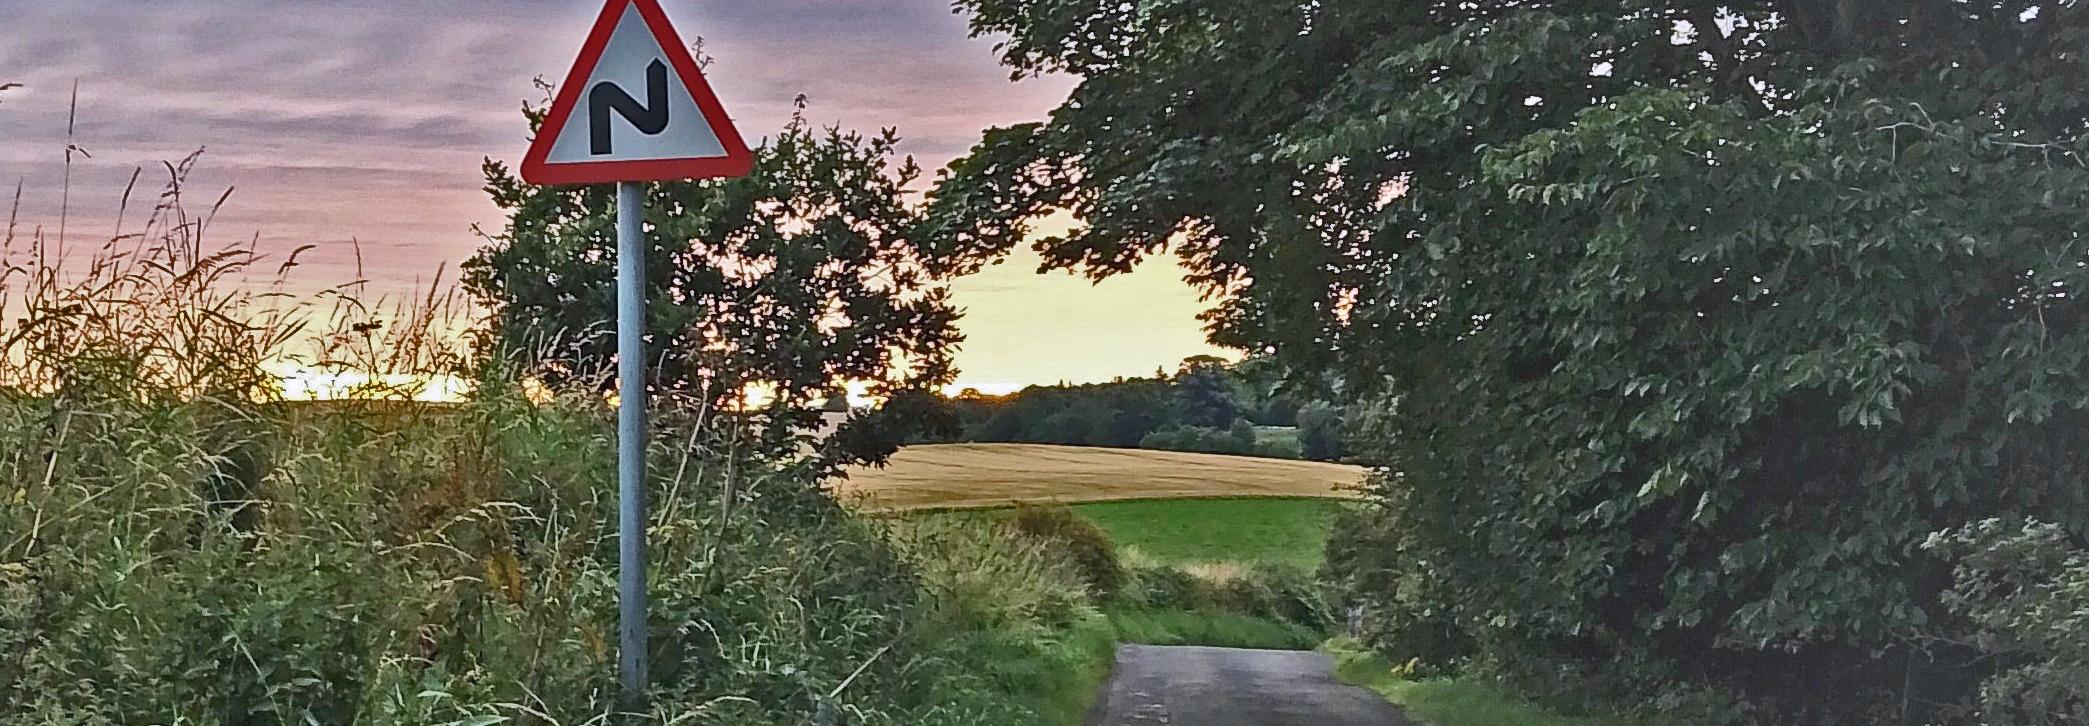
x,y
1055,674
1219,630
1276,435
1191,531
1449,701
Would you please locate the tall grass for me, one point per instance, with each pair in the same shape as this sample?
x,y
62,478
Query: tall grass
x,y
178,545
1449,701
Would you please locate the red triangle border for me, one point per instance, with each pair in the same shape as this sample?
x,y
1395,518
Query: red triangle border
x,y
737,161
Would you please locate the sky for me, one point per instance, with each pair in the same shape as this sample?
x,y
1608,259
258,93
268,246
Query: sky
x,y
366,120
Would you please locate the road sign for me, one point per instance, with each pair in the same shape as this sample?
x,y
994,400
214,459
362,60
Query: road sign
x,y
635,108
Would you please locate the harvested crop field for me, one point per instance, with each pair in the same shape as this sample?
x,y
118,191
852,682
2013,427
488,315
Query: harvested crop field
x,y
964,476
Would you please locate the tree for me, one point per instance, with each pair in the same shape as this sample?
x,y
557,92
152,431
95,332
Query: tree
x,y
1679,324
1320,432
808,272
1204,395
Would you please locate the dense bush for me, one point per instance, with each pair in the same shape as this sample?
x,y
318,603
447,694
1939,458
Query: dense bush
x,y
2023,590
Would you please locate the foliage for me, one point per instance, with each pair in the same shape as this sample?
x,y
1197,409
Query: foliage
x,y
1207,406
1085,545
1236,439
1445,701
1320,432
1116,414
1675,325
1203,398
809,271
2024,589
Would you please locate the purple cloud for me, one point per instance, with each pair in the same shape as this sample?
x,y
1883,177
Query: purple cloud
x,y
367,118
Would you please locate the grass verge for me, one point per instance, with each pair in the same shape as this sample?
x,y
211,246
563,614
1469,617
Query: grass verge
x,y
1052,673
1447,701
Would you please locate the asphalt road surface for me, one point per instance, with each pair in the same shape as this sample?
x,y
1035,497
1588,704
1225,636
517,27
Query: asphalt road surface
x,y
1154,686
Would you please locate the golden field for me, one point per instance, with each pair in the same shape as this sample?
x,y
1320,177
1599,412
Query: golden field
x,y
965,476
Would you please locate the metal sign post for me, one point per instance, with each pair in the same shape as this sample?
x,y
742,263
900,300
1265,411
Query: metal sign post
x,y
680,131
631,444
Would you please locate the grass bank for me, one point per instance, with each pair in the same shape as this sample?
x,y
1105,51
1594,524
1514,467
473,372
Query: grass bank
x,y
1043,597
1448,701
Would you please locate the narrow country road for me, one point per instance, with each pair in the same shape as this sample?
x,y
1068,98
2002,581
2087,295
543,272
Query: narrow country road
x,y
1154,686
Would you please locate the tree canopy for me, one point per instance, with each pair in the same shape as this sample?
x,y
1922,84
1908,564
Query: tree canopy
x,y
807,273
1680,324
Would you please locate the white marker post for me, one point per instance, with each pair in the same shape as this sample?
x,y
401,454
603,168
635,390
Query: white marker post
x,y
680,131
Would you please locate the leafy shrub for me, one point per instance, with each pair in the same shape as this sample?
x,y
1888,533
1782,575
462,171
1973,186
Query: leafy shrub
x,y
2024,590
1087,546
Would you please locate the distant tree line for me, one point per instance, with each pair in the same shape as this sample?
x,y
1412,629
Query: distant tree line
x,y
1207,405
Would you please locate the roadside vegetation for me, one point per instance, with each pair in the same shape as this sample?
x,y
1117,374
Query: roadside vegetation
x,y
177,544
1447,701
1045,596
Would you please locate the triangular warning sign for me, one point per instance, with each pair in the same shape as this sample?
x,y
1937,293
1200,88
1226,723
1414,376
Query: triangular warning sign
x,y
635,108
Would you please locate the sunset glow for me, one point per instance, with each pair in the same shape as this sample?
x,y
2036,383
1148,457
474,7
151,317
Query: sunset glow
x,y
325,137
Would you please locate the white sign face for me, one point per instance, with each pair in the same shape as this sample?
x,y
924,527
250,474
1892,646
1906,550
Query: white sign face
x,y
635,108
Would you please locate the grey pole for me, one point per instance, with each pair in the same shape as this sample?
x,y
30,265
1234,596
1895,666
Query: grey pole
x,y
631,446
